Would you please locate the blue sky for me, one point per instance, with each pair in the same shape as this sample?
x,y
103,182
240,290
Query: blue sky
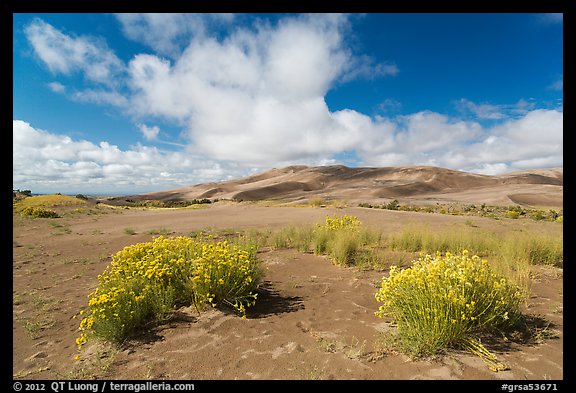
x,y
131,103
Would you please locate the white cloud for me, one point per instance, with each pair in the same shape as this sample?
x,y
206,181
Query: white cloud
x,y
481,111
57,87
254,97
48,162
488,111
522,107
537,137
492,169
168,33
427,138
364,67
149,133
257,96
430,132
558,85
99,96
389,105
539,127
65,54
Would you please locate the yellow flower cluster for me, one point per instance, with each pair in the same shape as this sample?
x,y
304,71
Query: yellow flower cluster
x,y
145,281
337,223
441,299
226,273
160,259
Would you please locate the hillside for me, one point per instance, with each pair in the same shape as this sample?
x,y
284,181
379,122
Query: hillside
x,y
408,184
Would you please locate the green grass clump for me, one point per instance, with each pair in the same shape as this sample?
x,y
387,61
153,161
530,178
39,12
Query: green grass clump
x,y
446,301
342,239
317,202
146,281
532,249
299,238
415,238
512,247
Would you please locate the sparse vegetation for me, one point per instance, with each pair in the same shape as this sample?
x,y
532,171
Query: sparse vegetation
x,y
168,204
347,242
339,238
317,202
495,212
159,231
62,228
42,318
530,248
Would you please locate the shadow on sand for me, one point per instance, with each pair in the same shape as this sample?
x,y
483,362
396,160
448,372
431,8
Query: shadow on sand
x,y
271,302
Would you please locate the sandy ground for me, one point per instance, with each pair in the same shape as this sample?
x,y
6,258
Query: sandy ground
x,y
313,320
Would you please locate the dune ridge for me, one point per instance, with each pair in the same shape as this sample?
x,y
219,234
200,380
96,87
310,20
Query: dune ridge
x,y
407,184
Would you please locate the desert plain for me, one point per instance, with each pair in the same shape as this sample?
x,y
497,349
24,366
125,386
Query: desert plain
x,y
313,320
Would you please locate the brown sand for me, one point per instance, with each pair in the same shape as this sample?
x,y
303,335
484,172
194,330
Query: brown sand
x,y
313,320
409,185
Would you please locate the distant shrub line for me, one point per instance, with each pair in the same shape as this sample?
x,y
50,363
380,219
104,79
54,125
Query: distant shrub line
x,y
169,204
483,210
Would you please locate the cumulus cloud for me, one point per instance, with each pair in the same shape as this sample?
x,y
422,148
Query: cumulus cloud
x,y
535,138
149,133
532,140
258,95
45,159
389,105
49,162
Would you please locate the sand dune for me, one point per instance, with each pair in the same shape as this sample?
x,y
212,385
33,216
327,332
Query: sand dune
x,y
408,184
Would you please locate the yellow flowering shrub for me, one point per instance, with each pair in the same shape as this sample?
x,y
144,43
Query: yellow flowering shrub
x,y
324,236
38,212
445,300
145,281
226,274
342,239
336,223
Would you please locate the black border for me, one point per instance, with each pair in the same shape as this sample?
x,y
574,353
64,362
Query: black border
x,y
10,7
